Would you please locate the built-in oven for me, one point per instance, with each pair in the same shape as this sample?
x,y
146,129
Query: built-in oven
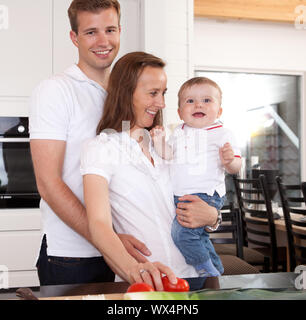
x,y
17,180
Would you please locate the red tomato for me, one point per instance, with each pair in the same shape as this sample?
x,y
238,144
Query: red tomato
x,y
181,286
139,287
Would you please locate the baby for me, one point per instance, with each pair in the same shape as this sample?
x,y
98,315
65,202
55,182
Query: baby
x,y
199,151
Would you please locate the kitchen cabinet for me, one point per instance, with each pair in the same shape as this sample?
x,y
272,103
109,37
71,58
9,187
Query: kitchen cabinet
x,y
20,235
36,42
26,49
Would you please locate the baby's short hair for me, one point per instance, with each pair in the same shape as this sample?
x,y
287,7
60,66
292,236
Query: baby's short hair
x,y
196,81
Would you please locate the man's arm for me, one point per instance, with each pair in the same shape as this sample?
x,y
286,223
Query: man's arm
x,y
48,159
196,213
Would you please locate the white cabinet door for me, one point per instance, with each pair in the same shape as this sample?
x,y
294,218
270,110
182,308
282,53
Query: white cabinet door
x,y
26,46
19,250
18,279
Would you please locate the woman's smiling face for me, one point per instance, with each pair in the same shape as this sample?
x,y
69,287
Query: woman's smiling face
x,y
149,96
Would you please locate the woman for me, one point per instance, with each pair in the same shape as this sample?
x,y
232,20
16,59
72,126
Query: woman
x,y
125,183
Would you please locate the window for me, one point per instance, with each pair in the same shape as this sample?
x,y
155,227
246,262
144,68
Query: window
x,y
264,112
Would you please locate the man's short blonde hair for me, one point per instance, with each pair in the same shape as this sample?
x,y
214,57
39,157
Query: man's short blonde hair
x,y
94,6
196,81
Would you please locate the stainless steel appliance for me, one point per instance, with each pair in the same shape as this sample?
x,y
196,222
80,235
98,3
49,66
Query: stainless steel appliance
x,y
17,181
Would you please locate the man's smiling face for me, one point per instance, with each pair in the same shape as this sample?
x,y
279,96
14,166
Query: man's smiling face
x,y
98,38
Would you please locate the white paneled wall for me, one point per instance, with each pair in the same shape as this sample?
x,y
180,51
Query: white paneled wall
x,y
167,33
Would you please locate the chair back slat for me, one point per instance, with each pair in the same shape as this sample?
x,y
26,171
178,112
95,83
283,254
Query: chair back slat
x,y
249,191
295,199
259,243
258,232
298,211
298,223
292,187
252,201
260,213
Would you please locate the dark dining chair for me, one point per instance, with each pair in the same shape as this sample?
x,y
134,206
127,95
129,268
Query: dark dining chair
x,y
292,197
258,221
228,239
229,236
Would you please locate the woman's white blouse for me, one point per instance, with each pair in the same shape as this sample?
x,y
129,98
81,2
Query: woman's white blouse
x,y
141,195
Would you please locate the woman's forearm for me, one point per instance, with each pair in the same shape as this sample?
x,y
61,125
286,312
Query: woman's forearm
x,y
112,249
103,236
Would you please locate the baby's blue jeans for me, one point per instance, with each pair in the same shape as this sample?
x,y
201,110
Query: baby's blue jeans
x,y
195,244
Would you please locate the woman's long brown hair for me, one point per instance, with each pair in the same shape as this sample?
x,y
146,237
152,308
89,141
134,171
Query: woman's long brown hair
x,y
118,106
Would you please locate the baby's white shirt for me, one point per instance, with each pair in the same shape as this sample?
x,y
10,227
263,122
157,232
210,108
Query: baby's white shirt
x,y
196,166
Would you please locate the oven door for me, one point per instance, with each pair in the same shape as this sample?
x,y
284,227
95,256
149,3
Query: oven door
x,y
17,180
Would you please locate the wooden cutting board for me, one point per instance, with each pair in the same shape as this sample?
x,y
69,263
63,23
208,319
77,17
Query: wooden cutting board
x,y
114,296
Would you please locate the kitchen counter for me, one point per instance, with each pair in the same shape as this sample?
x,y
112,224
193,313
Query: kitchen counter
x,y
260,281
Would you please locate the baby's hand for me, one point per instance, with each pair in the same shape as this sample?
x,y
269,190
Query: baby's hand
x,y
226,154
158,134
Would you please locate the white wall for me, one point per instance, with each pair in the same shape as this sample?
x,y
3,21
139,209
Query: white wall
x,y
252,46
168,33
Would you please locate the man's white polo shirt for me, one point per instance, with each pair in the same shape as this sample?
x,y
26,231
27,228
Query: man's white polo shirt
x,y
66,107
196,166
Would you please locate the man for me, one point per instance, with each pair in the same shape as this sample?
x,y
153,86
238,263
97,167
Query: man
x,y
64,112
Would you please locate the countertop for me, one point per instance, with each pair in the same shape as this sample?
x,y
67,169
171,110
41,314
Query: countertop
x,y
283,280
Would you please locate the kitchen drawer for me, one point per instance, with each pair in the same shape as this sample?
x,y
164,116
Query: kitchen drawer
x,y
19,279
20,219
19,249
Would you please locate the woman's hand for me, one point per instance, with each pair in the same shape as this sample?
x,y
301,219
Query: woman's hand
x,y
151,274
196,213
158,134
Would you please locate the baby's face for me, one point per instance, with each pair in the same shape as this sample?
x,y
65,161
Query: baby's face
x,y
200,105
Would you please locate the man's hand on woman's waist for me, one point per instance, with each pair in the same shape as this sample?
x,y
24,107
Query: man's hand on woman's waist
x,y
135,247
